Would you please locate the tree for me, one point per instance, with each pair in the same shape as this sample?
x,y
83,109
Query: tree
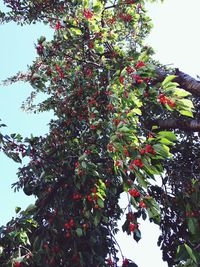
x,y
113,107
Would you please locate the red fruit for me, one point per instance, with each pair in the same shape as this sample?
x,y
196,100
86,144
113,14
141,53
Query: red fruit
x,y
138,163
131,167
142,204
121,80
140,64
87,14
17,264
130,216
89,198
58,26
130,70
71,223
110,148
142,151
67,235
125,262
67,226
134,193
171,103
94,190
118,163
132,227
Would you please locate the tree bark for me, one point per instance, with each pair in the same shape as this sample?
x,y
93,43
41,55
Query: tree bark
x,y
186,125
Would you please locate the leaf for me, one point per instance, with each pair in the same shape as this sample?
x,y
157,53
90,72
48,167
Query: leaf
x,y
97,219
1,250
79,232
30,208
186,113
193,225
153,209
141,180
137,235
100,203
37,243
98,7
169,135
168,79
124,129
17,209
181,92
171,87
84,165
76,31
163,150
165,141
24,238
190,252
134,111
186,103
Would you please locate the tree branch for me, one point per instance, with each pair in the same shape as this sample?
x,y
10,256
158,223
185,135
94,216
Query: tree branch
x,y
185,81
187,125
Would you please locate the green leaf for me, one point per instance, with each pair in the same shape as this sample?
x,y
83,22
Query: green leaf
x,y
190,252
100,203
97,219
169,135
181,92
153,209
17,209
30,208
76,31
141,180
79,232
124,129
163,150
98,7
193,226
134,111
186,103
186,113
168,79
24,238
83,164
165,141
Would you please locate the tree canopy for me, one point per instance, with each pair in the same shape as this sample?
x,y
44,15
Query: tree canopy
x,y
121,120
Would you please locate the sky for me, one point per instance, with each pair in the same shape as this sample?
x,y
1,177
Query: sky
x,y
175,39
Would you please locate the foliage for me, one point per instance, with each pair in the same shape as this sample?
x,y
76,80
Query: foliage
x,y
100,81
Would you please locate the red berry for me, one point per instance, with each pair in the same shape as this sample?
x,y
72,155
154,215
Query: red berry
x,y
132,227
134,193
17,264
142,204
125,262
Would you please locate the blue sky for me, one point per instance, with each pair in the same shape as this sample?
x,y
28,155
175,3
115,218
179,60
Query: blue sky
x,y
175,40
16,52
